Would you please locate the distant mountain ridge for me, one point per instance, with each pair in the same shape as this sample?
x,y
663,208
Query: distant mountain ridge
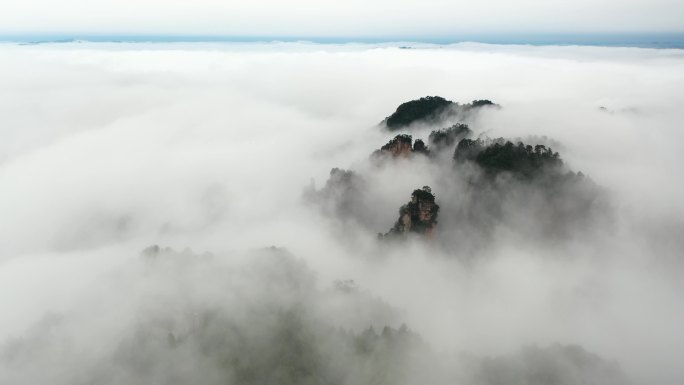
x,y
636,40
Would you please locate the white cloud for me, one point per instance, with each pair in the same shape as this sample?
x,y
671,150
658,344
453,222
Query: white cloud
x,y
109,148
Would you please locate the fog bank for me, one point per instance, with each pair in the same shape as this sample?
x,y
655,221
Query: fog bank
x,y
109,148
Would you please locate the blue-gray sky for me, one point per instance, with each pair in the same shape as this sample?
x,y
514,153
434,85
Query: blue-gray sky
x,y
339,18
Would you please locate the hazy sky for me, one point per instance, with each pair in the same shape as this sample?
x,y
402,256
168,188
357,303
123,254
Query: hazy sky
x,y
339,18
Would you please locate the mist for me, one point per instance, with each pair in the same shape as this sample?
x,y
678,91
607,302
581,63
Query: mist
x,y
213,151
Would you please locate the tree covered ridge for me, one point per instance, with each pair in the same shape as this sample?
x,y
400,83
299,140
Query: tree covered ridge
x,y
500,155
522,185
403,145
447,137
498,173
428,109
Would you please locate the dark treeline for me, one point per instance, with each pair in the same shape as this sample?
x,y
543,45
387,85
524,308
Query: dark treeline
x,y
503,156
430,110
447,137
491,183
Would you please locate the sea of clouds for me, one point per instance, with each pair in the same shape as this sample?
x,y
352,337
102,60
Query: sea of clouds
x,y
106,149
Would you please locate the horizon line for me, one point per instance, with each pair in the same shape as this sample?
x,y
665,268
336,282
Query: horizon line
x,y
611,39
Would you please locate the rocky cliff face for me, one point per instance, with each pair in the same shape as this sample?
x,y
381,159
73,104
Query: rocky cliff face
x,y
401,146
419,216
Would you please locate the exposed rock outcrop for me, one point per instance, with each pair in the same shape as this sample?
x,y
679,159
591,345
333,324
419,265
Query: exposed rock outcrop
x,y
401,146
419,216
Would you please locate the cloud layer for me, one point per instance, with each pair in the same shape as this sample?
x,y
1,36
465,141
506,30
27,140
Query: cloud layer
x,y
110,148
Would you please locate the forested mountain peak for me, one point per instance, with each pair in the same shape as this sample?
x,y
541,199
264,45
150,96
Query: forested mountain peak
x,y
430,110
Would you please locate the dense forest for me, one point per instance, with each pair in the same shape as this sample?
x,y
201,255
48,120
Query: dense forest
x,y
447,137
484,179
519,159
430,110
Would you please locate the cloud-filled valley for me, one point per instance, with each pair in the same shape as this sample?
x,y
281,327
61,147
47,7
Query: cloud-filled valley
x,y
269,272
